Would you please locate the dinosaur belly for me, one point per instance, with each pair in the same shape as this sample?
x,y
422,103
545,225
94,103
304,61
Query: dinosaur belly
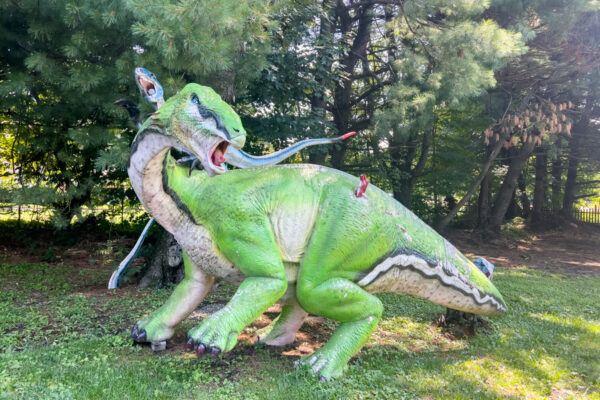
x,y
292,227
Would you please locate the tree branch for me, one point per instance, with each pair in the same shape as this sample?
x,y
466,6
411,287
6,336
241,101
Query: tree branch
x,y
420,167
486,168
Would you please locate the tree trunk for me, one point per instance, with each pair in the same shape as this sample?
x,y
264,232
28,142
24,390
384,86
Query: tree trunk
x,y
523,198
574,156
342,105
509,184
318,101
570,186
482,176
484,171
403,193
165,265
556,186
539,192
483,204
513,207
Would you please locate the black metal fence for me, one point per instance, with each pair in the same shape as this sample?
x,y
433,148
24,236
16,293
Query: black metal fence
x,y
587,214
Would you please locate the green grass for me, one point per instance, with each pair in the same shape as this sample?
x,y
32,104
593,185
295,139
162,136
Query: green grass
x,y
63,337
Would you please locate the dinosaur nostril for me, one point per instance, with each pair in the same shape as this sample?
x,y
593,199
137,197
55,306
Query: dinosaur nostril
x,y
235,129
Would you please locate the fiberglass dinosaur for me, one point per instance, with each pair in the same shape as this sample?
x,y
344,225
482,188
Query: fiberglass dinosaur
x,y
152,91
296,234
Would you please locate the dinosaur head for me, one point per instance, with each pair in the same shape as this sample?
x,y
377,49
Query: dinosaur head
x,y
203,123
148,85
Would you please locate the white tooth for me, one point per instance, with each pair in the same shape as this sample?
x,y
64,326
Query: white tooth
x,y
151,91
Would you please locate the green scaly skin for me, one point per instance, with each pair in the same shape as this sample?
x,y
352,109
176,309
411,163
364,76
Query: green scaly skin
x,y
293,233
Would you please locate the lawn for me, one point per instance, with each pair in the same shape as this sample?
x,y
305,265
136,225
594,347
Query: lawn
x,y
64,336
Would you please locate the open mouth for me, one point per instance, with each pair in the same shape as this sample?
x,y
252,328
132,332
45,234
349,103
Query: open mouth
x,y
217,155
147,85
211,154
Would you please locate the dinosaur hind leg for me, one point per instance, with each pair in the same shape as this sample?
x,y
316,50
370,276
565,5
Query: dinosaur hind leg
x,y
283,330
344,301
158,326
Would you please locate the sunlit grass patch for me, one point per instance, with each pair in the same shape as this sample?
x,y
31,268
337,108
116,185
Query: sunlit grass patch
x,y
414,336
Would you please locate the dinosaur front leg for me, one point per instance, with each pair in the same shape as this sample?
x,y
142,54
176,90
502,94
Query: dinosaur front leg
x,y
219,332
283,330
158,326
342,300
254,252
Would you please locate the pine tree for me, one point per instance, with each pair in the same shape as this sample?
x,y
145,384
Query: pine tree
x,y
65,62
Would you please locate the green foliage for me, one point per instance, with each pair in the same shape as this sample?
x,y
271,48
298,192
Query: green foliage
x,y
54,97
278,104
442,68
64,64
202,39
420,81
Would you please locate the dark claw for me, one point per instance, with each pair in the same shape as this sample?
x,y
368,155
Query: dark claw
x,y
134,332
214,351
141,336
200,350
192,159
189,345
194,163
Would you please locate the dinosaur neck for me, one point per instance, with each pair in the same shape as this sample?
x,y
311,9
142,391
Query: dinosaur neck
x,y
146,167
145,171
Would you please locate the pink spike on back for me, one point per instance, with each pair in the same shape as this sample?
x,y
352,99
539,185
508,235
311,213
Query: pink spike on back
x,y
360,190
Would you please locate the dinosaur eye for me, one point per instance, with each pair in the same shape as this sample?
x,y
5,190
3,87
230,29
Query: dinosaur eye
x,y
195,99
236,129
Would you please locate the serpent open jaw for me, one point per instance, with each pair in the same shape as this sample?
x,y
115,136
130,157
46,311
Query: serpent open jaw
x,y
147,84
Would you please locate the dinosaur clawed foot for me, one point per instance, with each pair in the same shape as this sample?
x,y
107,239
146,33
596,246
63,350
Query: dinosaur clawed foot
x,y
216,334
201,349
324,363
151,330
139,335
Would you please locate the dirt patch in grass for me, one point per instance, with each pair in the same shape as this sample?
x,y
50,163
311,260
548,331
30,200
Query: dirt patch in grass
x,y
572,250
313,334
459,329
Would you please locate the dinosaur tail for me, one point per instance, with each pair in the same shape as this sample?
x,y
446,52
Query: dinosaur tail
x,y
454,282
113,283
243,160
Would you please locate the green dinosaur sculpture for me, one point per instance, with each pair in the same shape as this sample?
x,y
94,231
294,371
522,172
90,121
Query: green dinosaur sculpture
x,y
297,234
